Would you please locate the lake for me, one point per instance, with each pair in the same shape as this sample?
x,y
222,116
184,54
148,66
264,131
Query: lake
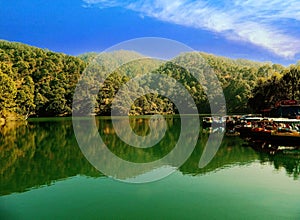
x,y
45,175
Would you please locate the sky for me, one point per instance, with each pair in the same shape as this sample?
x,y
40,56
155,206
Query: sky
x,y
263,30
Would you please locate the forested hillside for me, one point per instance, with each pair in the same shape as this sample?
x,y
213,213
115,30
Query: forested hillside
x,y
37,82
284,86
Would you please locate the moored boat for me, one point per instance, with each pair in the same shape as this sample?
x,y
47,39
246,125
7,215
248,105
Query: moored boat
x,y
278,131
276,137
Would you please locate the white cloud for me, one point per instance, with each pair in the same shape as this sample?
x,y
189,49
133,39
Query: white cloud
x,y
258,22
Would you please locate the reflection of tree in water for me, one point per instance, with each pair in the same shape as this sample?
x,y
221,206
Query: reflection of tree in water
x,y
288,158
291,162
162,154
140,126
231,153
40,153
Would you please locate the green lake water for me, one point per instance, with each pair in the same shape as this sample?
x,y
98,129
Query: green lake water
x,y
44,175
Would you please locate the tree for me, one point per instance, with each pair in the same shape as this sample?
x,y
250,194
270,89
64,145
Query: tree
x,y
25,97
291,81
8,92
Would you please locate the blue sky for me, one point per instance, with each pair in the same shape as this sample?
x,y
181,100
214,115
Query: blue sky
x,y
258,30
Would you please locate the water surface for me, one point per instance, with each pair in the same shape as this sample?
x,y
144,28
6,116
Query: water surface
x,y
44,175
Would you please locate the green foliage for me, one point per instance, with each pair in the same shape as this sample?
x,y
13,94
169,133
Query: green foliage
x,y
238,79
88,57
7,92
25,97
291,81
36,82
275,88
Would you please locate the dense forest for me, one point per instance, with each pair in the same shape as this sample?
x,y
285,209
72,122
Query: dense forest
x,y
36,82
284,85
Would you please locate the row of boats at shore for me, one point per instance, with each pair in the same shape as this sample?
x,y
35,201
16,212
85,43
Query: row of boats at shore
x,y
261,132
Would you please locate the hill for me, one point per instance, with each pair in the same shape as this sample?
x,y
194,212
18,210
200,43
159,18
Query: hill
x,y
36,81
39,82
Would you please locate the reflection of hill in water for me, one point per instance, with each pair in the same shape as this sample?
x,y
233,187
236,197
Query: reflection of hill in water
x,y
230,153
291,162
38,154
43,152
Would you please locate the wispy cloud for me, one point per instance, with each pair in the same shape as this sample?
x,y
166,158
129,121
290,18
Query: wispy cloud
x,y
263,23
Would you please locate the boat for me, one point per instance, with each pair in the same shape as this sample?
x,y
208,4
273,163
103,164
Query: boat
x,y
276,137
280,131
206,122
217,121
275,131
284,109
221,121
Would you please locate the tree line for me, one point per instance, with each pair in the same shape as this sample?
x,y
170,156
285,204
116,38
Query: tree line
x,y
38,82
